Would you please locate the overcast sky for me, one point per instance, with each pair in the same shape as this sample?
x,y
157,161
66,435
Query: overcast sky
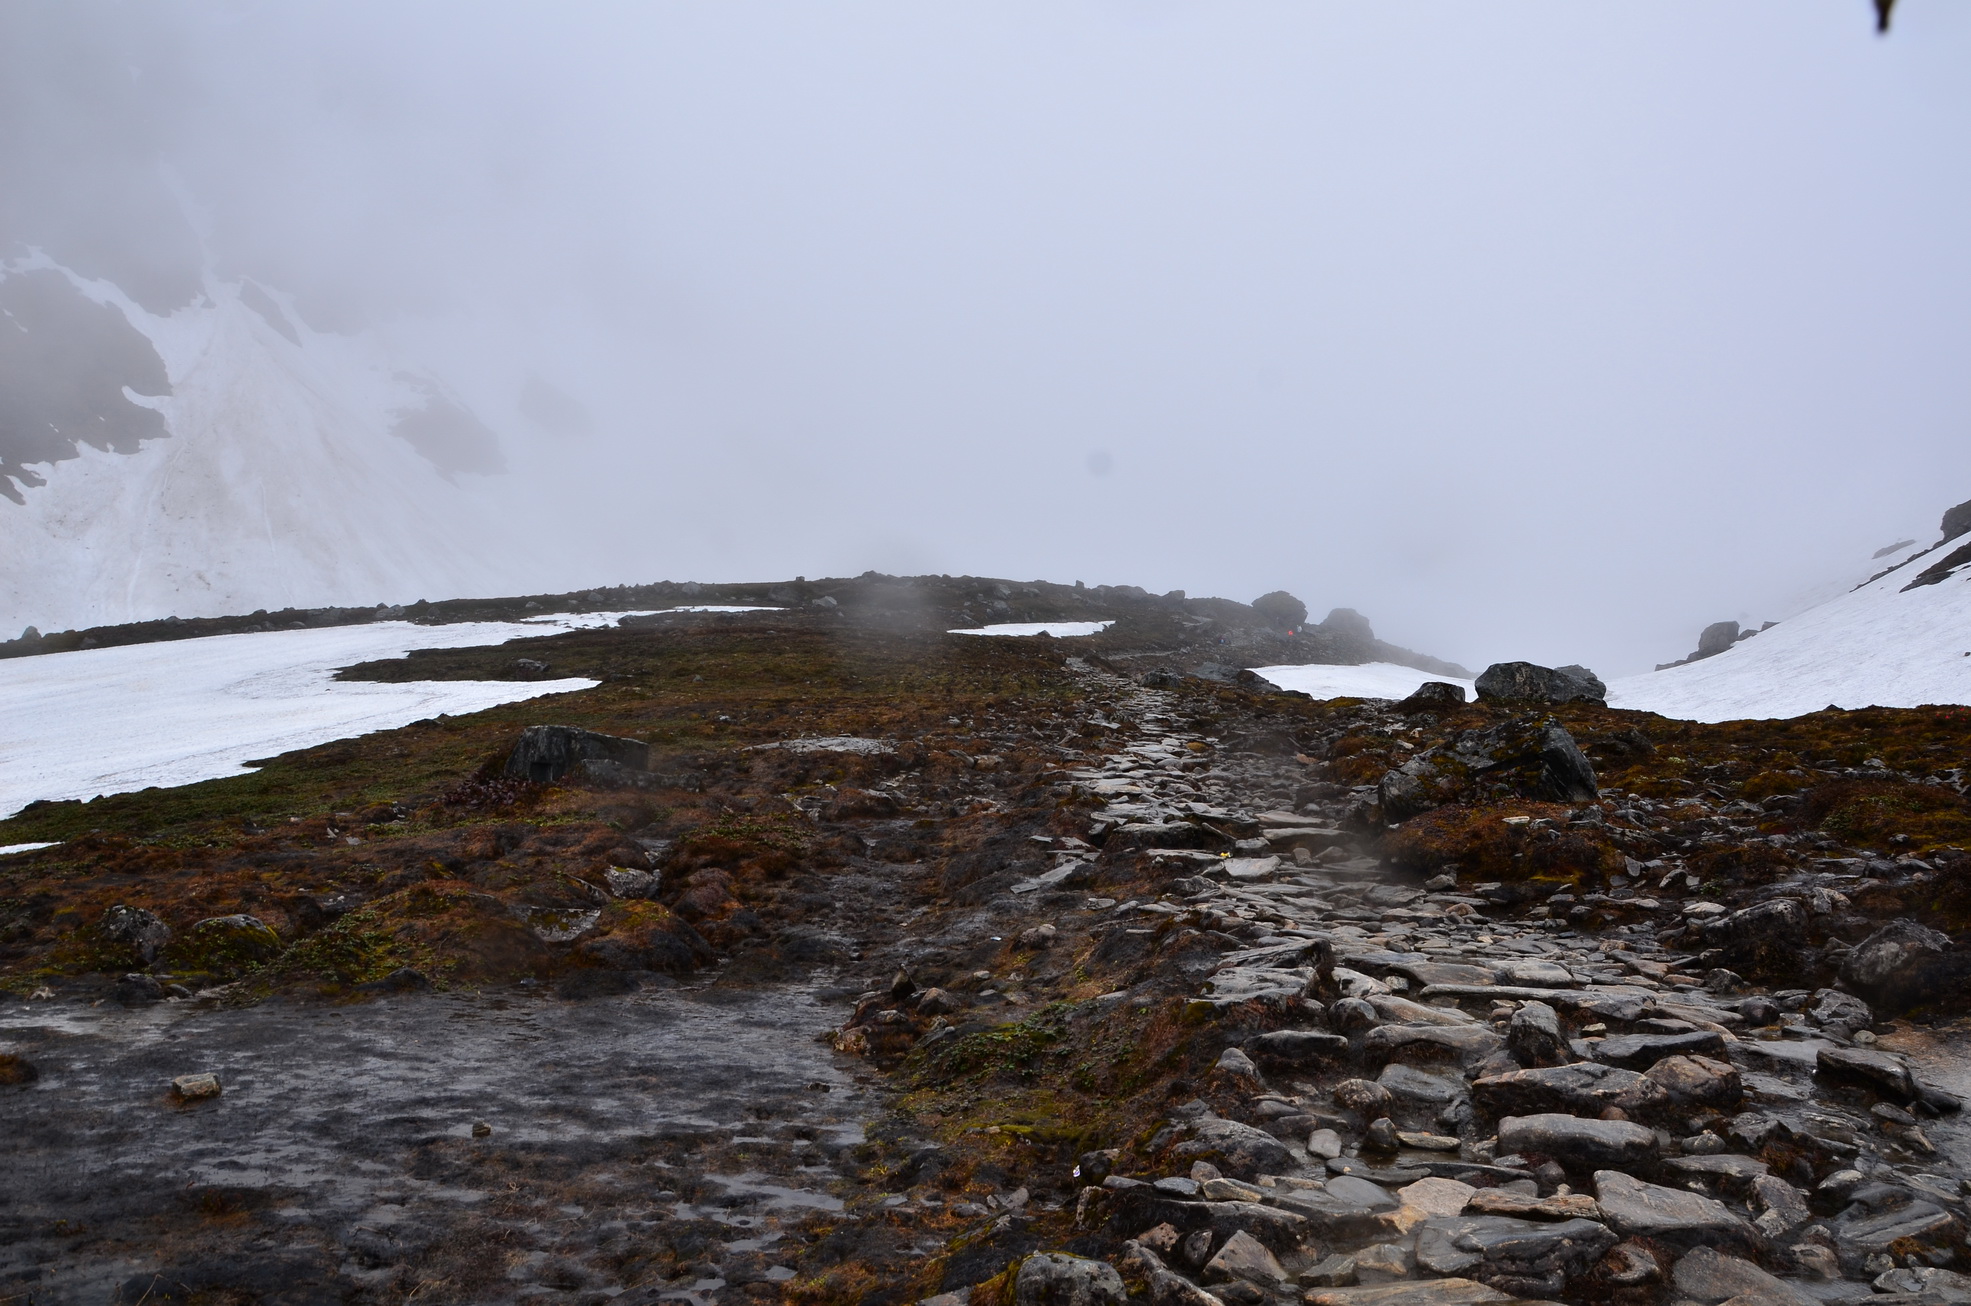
x,y
1532,330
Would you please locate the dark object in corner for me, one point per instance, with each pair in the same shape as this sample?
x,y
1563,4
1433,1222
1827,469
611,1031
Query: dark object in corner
x,y
1526,681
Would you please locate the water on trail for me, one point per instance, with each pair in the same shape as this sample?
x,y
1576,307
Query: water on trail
x,y
658,1141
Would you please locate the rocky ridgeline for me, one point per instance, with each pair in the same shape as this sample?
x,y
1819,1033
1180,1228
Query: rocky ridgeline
x,y
1433,1088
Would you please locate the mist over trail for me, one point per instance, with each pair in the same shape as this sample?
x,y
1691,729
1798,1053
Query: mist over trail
x,y
1544,334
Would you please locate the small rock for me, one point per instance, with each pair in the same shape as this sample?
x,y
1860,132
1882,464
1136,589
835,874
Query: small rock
x,y
1364,1097
1437,1196
1886,1074
1334,1271
1236,1066
480,1129
1295,1047
195,1088
1324,1144
1385,1263
1381,1134
1630,1264
1839,1013
1785,1207
1038,939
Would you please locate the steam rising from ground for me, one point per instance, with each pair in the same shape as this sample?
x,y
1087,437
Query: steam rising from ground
x,y
1547,333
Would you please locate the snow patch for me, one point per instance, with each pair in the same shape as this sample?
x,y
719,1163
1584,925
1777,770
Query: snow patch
x,y
13,848
114,720
1368,680
1057,629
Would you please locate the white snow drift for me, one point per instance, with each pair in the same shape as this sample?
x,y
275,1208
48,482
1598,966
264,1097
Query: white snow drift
x,y
1057,629
1877,646
1369,680
112,720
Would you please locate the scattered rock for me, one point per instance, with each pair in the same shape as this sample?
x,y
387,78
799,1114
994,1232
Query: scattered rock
x,y
195,1088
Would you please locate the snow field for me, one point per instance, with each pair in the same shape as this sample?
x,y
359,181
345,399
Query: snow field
x,y
113,720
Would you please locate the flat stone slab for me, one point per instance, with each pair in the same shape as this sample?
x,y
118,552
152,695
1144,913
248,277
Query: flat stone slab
x,y
1643,1210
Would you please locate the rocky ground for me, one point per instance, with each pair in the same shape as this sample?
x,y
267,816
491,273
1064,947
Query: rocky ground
x,y
1122,979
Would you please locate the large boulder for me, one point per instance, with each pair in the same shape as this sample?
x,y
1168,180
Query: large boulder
x,y
1057,1279
1281,609
1957,521
224,946
1765,938
137,930
547,753
1898,966
1715,639
1239,1150
1528,682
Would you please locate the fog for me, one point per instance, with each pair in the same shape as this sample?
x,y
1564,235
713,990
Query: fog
x,y
1536,331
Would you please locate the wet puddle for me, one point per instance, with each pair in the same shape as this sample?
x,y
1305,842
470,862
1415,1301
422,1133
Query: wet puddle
x,y
519,1138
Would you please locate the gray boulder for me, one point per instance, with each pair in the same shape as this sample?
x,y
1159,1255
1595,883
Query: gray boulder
x,y
137,929
547,753
1839,1013
1708,1276
1281,609
1057,1279
1715,639
1528,682
1897,966
1682,1219
1239,1150
1433,696
1576,1143
1886,1074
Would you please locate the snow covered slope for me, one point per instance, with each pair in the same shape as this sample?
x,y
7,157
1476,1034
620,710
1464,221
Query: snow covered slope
x,y
1883,645
289,467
